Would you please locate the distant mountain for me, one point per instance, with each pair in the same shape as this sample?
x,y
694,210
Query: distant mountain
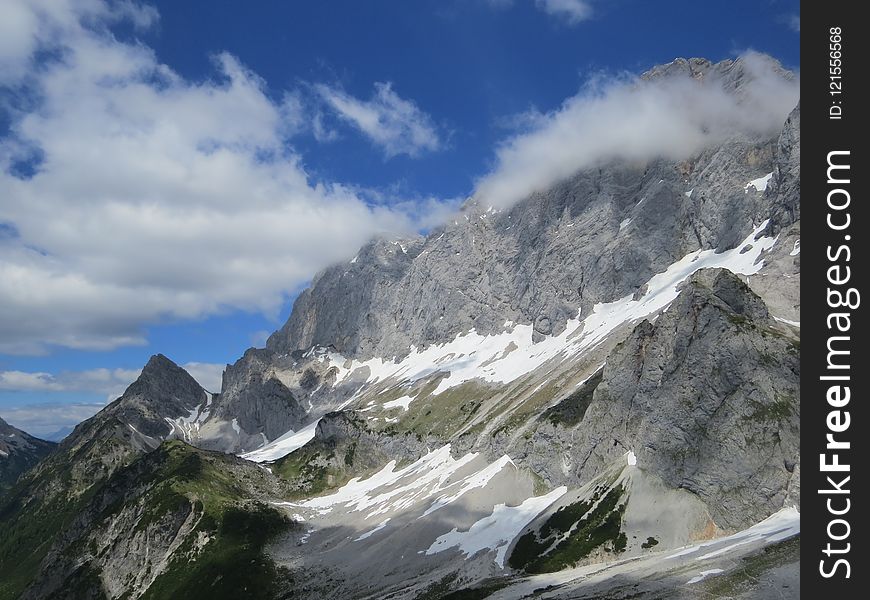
x,y
607,370
19,452
56,436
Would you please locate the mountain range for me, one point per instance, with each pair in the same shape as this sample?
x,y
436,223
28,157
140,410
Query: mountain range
x,y
593,393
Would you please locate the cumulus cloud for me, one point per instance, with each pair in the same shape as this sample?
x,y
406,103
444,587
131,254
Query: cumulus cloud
x,y
208,375
392,123
133,196
673,116
570,11
109,383
42,420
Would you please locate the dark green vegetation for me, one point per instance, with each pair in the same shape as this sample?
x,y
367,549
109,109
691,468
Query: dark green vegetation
x,y
231,565
198,498
440,590
444,414
485,590
751,569
649,543
570,411
47,498
313,470
573,532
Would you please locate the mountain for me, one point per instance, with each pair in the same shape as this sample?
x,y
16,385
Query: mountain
x,y
593,393
19,451
58,435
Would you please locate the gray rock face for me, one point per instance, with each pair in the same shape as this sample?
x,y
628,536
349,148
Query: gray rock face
x,y
708,399
785,185
163,390
595,237
19,452
260,402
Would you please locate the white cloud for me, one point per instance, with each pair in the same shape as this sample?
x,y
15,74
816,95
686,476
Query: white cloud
x,y
631,119
208,375
46,418
110,383
794,22
394,124
258,338
570,11
159,198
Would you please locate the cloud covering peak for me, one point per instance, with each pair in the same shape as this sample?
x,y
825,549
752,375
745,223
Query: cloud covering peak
x,y
674,115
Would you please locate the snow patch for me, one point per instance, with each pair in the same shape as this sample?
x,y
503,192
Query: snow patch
x,y
797,248
371,532
703,575
188,426
404,402
437,476
779,526
476,480
496,531
284,445
631,458
787,322
759,184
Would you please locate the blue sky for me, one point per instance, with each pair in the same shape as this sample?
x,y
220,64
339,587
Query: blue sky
x,y
173,173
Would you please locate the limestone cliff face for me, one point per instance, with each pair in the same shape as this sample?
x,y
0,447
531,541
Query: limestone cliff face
x,y
594,237
707,397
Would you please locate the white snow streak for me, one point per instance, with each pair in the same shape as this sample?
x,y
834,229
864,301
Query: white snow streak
x,y
371,532
703,575
437,475
496,531
781,525
787,322
283,445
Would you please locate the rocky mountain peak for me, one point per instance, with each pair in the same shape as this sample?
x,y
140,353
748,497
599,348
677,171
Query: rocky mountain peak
x,y
163,379
6,428
19,451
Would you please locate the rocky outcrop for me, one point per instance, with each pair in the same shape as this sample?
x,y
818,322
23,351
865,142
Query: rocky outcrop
x,y
163,391
50,497
708,399
165,521
257,399
19,452
344,445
